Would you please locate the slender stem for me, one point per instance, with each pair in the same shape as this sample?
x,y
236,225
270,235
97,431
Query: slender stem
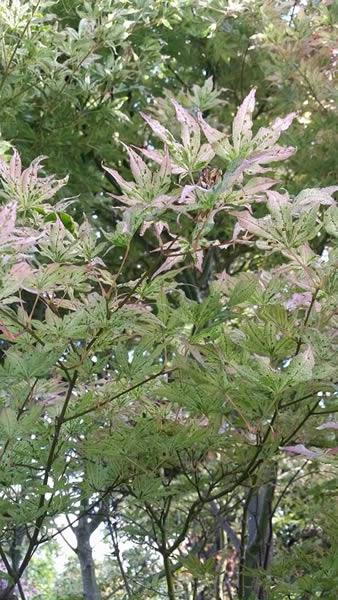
x,y
114,539
168,575
307,316
289,483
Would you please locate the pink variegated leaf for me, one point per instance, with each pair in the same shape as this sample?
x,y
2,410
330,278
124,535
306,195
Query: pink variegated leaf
x,y
7,333
169,262
282,124
161,132
314,196
49,188
258,185
158,157
125,200
218,140
301,450
213,135
21,271
7,222
184,117
145,226
4,169
190,130
15,165
126,186
261,227
273,154
298,300
328,425
268,136
11,235
242,123
159,227
276,201
165,169
30,174
138,167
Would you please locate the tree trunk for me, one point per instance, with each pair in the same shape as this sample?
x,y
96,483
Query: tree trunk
x,y
15,550
84,551
259,536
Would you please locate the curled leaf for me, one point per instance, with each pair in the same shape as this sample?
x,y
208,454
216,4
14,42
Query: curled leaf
x,y
301,450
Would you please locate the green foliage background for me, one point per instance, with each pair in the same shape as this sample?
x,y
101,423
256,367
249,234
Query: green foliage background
x,y
74,78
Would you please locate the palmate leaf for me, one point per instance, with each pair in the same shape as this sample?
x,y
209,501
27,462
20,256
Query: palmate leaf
x,y
244,290
300,368
28,366
26,187
8,422
255,151
197,568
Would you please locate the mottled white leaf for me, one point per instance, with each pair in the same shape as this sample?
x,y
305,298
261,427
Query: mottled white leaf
x,y
205,154
190,130
161,132
242,123
268,136
301,366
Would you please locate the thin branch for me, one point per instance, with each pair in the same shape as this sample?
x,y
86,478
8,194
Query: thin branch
x,y
126,391
178,77
11,572
290,482
311,89
114,539
300,425
307,316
